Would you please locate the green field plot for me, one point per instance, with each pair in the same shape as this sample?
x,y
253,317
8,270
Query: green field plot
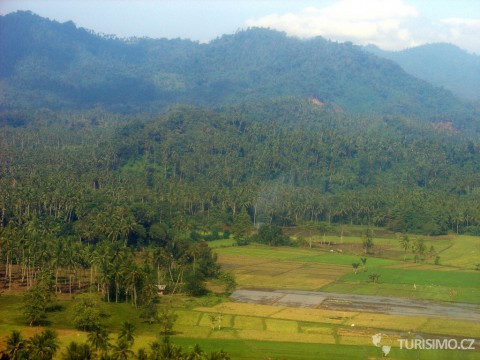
x,y
463,252
297,254
259,266
418,284
313,269
252,349
250,331
419,277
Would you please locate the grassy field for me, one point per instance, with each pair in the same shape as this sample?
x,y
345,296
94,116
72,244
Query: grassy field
x,y
419,284
462,252
266,332
326,268
250,331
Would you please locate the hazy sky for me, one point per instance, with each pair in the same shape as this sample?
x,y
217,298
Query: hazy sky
x,y
390,24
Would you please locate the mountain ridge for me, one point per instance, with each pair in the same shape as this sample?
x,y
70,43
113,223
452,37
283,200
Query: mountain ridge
x,y
441,64
62,66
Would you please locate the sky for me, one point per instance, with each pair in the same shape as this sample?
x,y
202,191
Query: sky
x,y
389,24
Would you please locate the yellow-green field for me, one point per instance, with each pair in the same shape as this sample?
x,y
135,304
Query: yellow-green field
x,y
264,323
329,268
251,331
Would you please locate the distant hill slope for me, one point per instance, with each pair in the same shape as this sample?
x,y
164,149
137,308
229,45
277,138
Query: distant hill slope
x,y
441,65
48,64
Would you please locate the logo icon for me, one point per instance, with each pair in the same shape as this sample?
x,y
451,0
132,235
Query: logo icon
x,y
386,349
377,341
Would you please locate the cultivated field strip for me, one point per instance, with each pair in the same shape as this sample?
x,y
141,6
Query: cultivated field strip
x,y
288,274
325,326
360,303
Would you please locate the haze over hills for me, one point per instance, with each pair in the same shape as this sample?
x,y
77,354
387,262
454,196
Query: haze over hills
x,y
61,66
440,64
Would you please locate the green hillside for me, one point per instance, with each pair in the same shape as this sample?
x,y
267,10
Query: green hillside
x,y
61,66
443,65
300,162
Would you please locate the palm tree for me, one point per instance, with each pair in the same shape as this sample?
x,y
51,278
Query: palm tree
x,y
160,259
126,223
127,332
71,261
419,249
374,277
6,243
121,350
405,244
133,275
15,346
194,251
142,354
165,350
323,227
355,267
75,351
57,257
98,338
367,242
102,260
104,279
117,274
43,346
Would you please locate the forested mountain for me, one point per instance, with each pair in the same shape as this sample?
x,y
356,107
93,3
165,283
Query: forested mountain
x,y
254,127
60,66
198,168
440,64
120,160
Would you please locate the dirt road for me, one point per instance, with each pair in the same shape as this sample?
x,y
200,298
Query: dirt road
x,y
361,303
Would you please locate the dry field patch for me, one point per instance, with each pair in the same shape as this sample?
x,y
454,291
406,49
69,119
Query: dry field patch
x,y
281,274
200,332
420,266
220,334
315,315
393,322
248,323
187,317
286,337
283,326
242,309
451,327
207,322
355,336
314,329
286,281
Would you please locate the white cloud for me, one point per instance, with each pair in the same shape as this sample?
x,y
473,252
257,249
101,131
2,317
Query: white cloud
x,y
464,32
469,23
369,21
391,25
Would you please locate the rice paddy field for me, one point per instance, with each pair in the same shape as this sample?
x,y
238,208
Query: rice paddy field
x,y
329,268
265,331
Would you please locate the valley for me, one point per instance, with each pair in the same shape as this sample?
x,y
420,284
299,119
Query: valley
x,y
258,196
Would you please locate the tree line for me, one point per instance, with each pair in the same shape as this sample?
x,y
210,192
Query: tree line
x,y
135,179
